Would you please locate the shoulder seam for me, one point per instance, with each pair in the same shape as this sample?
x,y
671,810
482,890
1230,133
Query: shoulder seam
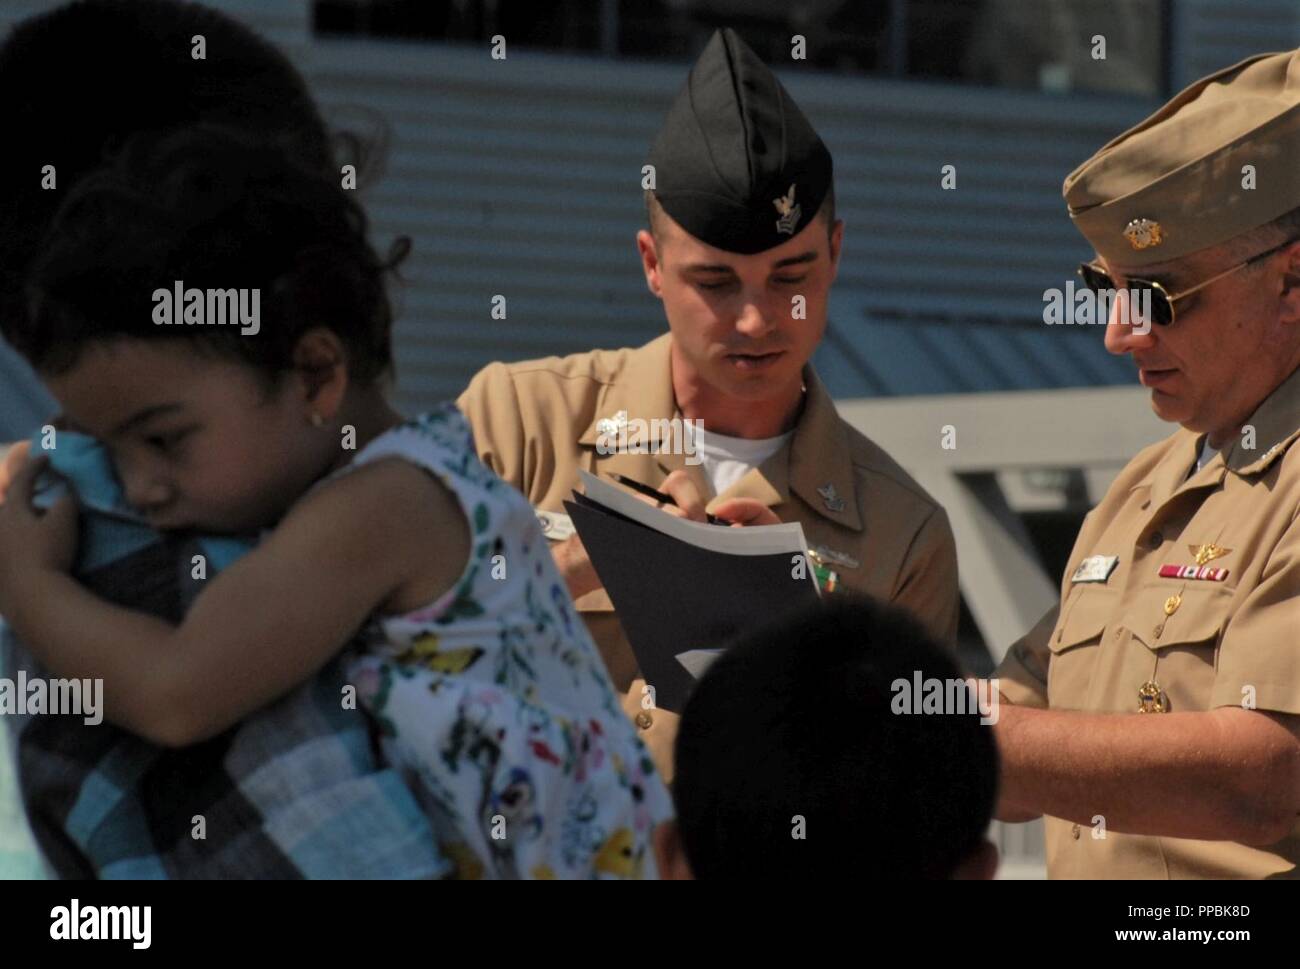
x,y
514,372
910,486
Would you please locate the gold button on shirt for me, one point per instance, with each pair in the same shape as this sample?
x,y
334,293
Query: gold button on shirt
x,y
1205,617
538,422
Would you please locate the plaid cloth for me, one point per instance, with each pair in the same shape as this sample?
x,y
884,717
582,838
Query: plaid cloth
x,y
294,791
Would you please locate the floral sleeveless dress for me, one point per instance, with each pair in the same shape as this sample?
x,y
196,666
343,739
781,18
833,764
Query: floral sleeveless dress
x,y
493,700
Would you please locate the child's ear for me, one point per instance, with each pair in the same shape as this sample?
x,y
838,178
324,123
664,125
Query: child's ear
x,y
321,362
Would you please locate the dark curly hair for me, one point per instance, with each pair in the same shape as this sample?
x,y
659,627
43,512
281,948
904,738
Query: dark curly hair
x,y
217,208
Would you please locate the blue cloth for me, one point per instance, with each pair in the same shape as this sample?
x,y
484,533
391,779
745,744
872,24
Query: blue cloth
x,y
296,790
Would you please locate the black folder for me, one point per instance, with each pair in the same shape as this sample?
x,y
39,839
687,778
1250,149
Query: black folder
x,y
681,587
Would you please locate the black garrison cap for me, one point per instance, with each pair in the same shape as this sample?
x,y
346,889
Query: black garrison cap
x,y
736,163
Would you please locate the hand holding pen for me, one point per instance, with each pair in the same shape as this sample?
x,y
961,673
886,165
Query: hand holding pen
x,y
686,506
678,492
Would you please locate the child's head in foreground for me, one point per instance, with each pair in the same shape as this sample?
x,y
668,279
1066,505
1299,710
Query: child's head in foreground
x,y
792,732
219,173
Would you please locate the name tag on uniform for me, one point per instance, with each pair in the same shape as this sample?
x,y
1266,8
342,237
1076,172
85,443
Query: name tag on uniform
x,y
556,525
1095,568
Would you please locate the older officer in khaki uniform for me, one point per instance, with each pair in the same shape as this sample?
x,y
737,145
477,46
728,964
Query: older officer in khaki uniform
x,y
1165,689
742,230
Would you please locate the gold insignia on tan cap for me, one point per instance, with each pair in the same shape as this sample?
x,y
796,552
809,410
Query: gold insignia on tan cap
x,y
1186,163
1144,233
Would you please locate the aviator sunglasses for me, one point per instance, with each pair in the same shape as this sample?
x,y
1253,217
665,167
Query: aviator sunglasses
x,y
1162,301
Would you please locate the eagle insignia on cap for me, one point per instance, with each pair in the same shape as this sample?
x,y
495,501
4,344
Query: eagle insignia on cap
x,y
790,212
1143,233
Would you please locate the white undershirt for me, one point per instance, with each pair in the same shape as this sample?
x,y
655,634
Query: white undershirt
x,y
1207,454
728,459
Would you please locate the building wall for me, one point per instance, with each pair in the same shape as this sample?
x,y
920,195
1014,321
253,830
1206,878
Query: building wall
x,y
521,178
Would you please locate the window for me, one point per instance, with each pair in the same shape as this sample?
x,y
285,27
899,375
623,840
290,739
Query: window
x,y
1054,45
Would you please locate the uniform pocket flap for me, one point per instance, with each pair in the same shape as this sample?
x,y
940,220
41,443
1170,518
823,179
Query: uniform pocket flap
x,y
1085,619
1189,616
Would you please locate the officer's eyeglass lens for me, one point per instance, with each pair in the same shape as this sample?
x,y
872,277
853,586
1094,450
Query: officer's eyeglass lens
x,y
1099,281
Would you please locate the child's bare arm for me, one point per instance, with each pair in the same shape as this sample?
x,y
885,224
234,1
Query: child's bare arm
x,y
263,625
12,457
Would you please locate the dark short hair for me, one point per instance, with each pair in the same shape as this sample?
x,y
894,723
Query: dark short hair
x,y
1252,243
797,720
214,208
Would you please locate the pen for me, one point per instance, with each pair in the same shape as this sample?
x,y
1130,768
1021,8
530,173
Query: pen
x,y
660,496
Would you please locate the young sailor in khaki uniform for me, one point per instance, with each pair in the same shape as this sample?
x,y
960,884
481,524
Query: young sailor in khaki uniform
x,y
1167,683
742,234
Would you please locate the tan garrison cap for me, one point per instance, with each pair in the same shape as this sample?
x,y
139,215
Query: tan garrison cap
x,y
1175,183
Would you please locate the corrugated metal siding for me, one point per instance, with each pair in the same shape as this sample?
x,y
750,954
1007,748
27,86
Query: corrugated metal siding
x,y
521,178
902,358
908,357
1212,34
285,22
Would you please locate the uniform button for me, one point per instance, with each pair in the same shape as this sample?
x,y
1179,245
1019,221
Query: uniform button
x,y
1155,541
644,720
1172,604
1074,832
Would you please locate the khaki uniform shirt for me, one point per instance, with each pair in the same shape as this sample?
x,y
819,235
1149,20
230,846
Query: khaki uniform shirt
x,y
1223,631
535,424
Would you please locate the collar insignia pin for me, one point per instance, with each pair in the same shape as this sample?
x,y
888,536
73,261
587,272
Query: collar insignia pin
x,y
832,500
611,425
